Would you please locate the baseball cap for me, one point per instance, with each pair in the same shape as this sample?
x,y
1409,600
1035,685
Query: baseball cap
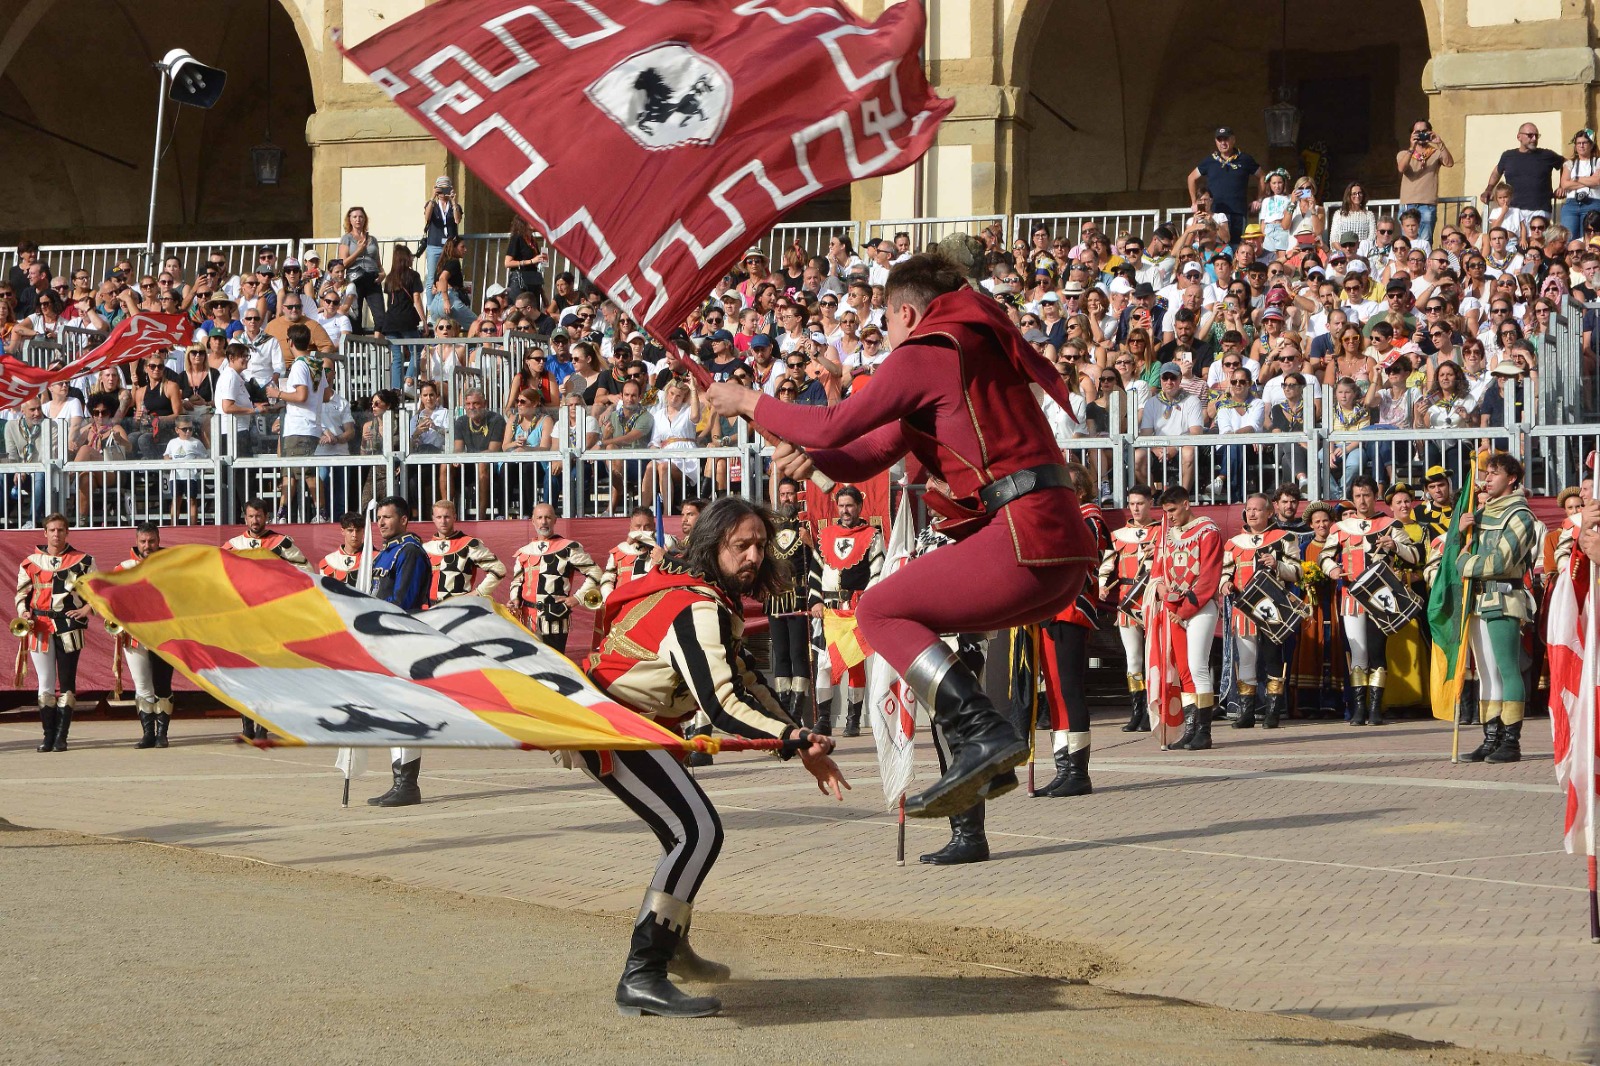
x,y
1121,285
819,338
1193,267
761,340
560,335
1272,312
490,293
636,336
1222,253
722,335
1356,267
1348,238
1050,298
313,257
1171,370
1396,286
292,264
1223,131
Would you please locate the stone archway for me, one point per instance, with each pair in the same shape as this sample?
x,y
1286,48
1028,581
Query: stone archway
x,y
88,77
1118,118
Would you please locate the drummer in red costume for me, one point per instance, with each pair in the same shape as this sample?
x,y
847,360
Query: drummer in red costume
x,y
1183,583
957,394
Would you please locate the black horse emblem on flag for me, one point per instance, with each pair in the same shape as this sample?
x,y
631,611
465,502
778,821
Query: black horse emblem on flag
x,y
659,105
665,97
363,720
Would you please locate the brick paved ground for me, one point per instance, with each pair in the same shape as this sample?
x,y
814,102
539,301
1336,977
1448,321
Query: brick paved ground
x,y
1351,874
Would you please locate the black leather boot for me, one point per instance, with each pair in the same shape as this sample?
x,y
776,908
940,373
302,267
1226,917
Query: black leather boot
x,y
247,730
1493,731
1510,747
1076,781
1467,709
1063,765
967,840
824,718
1273,709
644,988
163,719
1139,719
1191,723
1358,705
404,792
1247,710
687,964
64,709
982,743
1374,705
852,720
147,722
47,719
1202,728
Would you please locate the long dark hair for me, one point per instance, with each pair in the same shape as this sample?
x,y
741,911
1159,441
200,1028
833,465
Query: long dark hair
x,y
400,261
700,554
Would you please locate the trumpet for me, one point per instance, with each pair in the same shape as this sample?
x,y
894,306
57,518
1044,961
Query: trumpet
x,y
21,627
591,598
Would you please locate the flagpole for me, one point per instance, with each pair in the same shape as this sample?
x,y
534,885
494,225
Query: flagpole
x,y
1463,649
900,846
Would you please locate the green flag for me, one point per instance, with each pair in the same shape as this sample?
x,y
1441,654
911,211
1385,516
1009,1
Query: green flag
x,y
1445,607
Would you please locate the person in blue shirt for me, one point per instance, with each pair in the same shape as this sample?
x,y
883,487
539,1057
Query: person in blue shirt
x,y
560,362
402,575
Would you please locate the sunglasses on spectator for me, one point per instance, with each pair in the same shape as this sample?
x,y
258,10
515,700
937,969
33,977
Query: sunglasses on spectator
x,y
147,285
184,429
291,307
1499,310
1385,230
252,318
790,389
1229,364
1435,309
1440,333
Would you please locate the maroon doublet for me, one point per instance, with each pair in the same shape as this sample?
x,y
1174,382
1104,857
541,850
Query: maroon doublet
x,y
957,395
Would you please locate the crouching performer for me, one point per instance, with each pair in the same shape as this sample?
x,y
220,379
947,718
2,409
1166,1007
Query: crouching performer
x,y
674,646
957,394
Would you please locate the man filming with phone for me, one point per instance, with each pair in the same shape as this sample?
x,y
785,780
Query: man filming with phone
x,y
1419,163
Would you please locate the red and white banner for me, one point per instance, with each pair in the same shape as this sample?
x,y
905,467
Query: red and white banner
x,y
1569,632
131,340
653,142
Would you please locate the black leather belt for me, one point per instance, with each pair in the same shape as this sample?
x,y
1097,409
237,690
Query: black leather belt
x,y
997,494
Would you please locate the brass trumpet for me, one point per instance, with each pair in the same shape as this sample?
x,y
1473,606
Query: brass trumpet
x,y
21,627
591,598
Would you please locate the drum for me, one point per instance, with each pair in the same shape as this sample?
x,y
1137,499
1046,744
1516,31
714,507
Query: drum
x,y
1134,600
1385,597
1276,611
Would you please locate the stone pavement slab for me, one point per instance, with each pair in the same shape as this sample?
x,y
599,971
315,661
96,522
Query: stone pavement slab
x,y
1353,874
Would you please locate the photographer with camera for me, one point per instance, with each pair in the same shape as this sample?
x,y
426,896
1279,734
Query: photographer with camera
x,y
1419,163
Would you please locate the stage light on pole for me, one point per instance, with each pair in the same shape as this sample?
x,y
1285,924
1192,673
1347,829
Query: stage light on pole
x,y
187,81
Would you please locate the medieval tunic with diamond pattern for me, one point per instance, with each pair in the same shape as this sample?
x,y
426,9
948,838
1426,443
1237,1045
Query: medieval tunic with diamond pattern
x,y
45,593
849,557
542,572
1123,567
457,560
278,544
1352,546
1276,550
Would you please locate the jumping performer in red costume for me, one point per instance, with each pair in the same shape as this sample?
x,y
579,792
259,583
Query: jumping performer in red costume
x,y
957,394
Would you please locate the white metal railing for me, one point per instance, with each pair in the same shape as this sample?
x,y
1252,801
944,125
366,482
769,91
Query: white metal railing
x,y
1227,467
1068,225
1555,457
813,238
97,259
241,255
926,231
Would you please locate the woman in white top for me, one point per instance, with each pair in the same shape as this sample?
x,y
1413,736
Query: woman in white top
x,y
66,409
430,427
1276,212
1580,176
47,321
1353,216
1393,401
1236,411
441,360
674,429
848,342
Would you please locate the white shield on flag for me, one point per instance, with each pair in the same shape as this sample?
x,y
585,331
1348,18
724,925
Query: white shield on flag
x,y
666,96
891,706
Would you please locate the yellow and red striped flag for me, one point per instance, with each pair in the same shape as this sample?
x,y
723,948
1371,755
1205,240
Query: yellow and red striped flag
x,y
846,646
322,664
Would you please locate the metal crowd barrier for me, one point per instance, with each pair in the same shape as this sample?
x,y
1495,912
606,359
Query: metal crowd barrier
x,y
1068,225
241,255
813,238
926,231
1556,457
367,364
1224,468
97,259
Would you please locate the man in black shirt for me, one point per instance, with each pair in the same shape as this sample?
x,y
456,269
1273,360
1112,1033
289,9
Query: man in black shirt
x,y
1227,173
1527,168
1183,340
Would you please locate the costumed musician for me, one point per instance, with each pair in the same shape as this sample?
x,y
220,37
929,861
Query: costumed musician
x,y
634,557
258,537
1359,541
343,564
1259,547
551,575
458,559
788,622
1124,573
152,675
1183,582
51,620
